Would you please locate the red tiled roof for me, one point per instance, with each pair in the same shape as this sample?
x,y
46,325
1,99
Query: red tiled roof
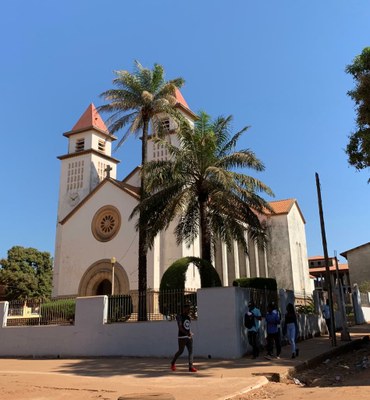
x,y
284,207
180,98
313,258
90,118
341,267
182,104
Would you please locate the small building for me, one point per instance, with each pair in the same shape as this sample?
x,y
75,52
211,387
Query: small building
x,y
359,262
317,269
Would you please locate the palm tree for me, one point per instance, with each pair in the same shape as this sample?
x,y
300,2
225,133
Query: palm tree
x,y
136,100
203,186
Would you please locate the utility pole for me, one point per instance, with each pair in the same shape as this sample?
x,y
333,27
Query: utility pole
x,y
344,334
325,248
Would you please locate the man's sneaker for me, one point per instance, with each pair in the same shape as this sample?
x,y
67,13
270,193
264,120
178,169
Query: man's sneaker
x,y
192,369
173,367
297,352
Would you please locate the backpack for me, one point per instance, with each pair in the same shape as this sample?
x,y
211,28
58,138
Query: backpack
x,y
249,320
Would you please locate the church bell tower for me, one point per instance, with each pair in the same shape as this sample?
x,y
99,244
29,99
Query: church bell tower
x,y
87,162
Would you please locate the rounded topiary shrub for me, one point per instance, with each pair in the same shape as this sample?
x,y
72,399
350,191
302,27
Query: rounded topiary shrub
x,y
172,294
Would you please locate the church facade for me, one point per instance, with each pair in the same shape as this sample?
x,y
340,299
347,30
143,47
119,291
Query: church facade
x,y
97,243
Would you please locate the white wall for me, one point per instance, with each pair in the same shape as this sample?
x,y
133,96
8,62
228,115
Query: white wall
x,y
278,250
298,246
218,331
366,313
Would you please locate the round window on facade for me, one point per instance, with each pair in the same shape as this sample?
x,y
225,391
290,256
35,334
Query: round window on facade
x,y
106,223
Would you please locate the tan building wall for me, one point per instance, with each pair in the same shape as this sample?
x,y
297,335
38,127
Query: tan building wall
x,y
359,263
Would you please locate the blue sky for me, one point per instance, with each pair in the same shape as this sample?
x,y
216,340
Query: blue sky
x,y
277,66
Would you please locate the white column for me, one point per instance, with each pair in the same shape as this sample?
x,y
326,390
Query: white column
x,y
257,260
236,259
225,276
157,261
4,309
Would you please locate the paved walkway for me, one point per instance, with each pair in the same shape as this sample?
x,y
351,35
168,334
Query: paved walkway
x,y
144,378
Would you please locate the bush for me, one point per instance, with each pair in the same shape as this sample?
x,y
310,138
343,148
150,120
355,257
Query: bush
x,y
257,283
308,308
57,311
364,286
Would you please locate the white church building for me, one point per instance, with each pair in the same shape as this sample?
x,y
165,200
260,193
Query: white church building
x,y
94,232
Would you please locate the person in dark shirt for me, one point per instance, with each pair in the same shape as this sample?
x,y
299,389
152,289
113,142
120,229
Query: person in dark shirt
x,y
272,329
291,328
185,338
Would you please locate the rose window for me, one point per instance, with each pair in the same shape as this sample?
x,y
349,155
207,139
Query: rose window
x,y
106,223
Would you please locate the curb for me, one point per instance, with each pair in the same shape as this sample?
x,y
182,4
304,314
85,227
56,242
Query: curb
x,y
313,362
263,381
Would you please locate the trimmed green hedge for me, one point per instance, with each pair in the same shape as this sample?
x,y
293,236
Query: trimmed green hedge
x,y
256,283
262,291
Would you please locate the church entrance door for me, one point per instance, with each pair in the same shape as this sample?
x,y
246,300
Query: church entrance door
x,y
97,280
104,288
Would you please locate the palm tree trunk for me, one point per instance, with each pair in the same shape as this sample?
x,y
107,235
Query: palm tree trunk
x,y
205,234
143,247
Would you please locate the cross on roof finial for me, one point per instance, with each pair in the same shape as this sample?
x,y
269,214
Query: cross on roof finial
x,y
107,170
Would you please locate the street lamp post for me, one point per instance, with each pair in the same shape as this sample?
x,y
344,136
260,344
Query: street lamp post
x,y
113,262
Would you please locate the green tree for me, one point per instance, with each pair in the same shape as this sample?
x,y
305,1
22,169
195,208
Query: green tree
x,y
364,286
202,185
358,148
27,273
135,102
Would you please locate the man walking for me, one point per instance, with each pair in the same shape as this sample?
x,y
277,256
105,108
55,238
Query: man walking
x,y
253,330
272,329
185,338
327,316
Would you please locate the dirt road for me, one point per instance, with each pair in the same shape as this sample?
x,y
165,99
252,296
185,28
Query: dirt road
x,y
342,377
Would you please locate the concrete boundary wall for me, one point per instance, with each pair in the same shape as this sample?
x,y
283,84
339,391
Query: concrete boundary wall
x,y
366,313
218,332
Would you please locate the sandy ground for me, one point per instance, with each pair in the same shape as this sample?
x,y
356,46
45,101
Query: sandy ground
x,y
345,376
112,378
357,388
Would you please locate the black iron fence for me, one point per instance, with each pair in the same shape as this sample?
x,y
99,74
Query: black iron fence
x,y
263,297
41,312
160,305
